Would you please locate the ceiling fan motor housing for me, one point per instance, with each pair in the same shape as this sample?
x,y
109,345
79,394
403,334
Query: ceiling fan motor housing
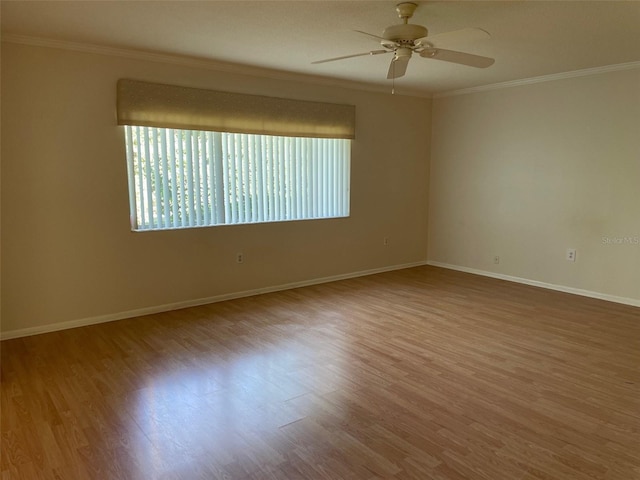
x,y
404,32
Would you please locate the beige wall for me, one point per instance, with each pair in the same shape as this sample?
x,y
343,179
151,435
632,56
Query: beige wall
x,y
67,251
526,172
523,173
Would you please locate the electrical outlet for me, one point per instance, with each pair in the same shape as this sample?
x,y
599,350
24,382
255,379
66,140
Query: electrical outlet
x,y
571,254
496,259
239,258
385,241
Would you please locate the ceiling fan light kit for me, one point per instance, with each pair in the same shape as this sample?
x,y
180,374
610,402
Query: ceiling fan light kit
x,y
406,38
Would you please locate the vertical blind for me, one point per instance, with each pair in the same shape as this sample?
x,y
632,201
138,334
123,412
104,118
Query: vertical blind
x,y
188,178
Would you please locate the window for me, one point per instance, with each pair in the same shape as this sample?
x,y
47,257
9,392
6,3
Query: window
x,y
200,157
189,178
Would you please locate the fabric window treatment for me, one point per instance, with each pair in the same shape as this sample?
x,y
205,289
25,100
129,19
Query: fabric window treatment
x,y
167,106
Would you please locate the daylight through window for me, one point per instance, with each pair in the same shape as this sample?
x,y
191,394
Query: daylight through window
x,y
190,178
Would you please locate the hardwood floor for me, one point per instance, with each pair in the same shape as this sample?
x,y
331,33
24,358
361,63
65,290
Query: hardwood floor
x,y
416,374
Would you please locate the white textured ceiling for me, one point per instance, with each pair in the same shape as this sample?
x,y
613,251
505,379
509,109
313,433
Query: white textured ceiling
x,y
528,38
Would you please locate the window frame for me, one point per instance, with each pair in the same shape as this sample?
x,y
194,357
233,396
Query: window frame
x,y
245,170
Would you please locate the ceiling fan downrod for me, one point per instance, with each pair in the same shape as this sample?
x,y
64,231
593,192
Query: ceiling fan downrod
x,y
404,33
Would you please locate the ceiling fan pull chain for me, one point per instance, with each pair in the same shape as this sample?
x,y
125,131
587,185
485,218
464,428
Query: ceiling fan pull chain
x,y
393,80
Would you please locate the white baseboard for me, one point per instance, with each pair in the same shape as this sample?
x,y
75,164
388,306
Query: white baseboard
x,y
24,332
560,288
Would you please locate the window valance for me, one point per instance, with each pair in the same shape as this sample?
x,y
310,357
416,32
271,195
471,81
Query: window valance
x,y
168,106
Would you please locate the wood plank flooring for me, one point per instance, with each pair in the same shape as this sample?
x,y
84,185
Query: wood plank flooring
x,y
416,374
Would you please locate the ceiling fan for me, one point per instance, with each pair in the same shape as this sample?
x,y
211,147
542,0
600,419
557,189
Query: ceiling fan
x,y
405,38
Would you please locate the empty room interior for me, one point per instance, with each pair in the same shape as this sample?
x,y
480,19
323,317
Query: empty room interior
x,y
320,240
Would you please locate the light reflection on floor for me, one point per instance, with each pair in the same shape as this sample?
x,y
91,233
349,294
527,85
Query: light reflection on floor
x,y
222,407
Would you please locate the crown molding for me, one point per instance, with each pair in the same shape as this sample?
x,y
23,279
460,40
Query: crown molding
x,y
541,79
202,63
236,68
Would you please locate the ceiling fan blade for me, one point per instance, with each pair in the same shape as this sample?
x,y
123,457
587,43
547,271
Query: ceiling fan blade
x,y
457,57
464,35
373,52
398,67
